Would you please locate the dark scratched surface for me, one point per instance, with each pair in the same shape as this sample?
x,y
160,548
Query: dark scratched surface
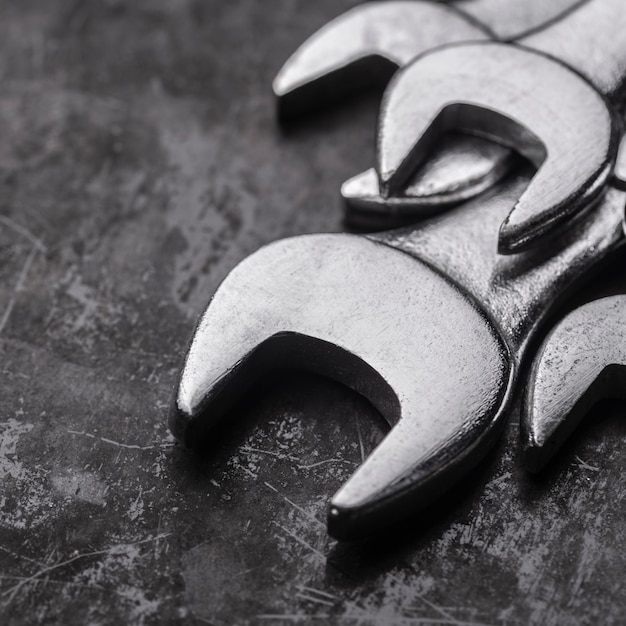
x,y
139,161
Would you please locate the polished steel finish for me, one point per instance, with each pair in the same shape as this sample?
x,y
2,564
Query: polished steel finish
x,y
332,304
582,361
484,88
591,41
479,164
415,320
365,46
511,20
429,322
571,42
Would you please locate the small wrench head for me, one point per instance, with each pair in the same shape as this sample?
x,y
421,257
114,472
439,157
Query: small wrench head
x,y
582,361
521,98
377,320
479,164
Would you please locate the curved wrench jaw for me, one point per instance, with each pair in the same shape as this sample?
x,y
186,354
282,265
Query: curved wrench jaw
x,y
483,88
381,322
478,164
363,48
201,402
582,361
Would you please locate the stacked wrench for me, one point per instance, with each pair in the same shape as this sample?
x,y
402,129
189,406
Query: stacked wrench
x,y
582,361
431,323
364,47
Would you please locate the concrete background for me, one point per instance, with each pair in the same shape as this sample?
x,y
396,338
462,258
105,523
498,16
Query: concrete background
x,y
139,161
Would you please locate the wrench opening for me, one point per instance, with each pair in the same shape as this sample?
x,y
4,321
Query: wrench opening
x,y
283,351
472,119
334,304
490,82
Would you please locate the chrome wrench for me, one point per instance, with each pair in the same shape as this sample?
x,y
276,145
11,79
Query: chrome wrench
x,y
582,361
364,47
429,323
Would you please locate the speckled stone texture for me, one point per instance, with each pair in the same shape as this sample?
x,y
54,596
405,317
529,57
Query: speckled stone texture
x,y
139,161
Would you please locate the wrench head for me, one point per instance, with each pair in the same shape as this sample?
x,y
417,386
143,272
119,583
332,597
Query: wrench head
x,y
363,48
518,97
582,361
479,164
373,318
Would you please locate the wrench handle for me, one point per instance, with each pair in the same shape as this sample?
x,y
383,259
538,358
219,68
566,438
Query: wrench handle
x,y
592,40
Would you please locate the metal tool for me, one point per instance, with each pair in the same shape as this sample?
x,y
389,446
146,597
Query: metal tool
x,y
364,47
581,361
431,323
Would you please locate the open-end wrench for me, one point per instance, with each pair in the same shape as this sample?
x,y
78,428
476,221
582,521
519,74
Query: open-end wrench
x,y
429,323
582,361
364,47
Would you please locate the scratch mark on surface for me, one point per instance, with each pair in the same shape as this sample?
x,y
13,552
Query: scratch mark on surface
x,y
21,556
319,592
48,581
401,620
500,480
19,286
268,452
126,446
301,541
295,506
10,593
304,596
21,230
292,618
451,619
586,465
360,436
324,462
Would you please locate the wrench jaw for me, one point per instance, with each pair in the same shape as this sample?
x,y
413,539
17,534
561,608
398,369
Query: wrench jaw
x,y
363,48
433,188
403,476
582,361
377,320
205,396
483,88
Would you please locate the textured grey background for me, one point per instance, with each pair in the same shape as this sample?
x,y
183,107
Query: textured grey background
x,y
139,161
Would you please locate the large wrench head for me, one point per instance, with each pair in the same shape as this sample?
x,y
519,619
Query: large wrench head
x,y
582,361
377,320
518,97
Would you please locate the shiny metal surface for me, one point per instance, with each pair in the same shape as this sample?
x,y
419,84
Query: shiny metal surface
x,y
431,322
332,304
483,88
590,40
366,45
581,361
363,48
572,40
511,20
479,164
397,330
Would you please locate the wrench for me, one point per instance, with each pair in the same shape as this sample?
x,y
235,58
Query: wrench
x,y
364,47
429,323
581,361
